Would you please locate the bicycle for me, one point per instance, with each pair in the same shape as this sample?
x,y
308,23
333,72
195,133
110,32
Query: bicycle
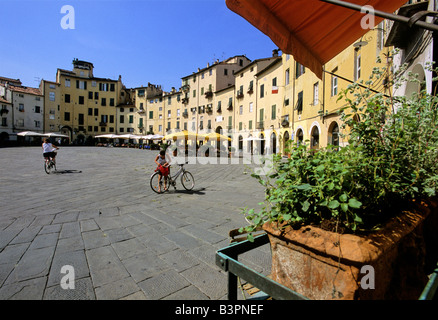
x,y
49,165
187,180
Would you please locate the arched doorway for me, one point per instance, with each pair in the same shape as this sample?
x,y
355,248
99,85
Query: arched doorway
x,y
333,134
261,144
300,137
314,138
273,143
286,138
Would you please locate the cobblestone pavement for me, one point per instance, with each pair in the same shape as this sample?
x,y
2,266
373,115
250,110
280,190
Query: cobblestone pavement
x,y
99,215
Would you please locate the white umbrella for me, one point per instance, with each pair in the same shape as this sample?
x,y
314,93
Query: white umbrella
x,y
52,134
128,136
30,134
148,137
110,136
156,137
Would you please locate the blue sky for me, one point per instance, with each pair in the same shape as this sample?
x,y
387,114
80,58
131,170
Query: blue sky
x,y
156,41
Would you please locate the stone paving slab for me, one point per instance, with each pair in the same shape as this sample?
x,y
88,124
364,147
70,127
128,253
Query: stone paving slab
x,y
99,215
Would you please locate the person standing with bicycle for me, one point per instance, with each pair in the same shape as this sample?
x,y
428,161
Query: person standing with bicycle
x,y
49,150
163,168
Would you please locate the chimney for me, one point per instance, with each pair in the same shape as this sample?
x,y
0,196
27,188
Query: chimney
x,y
275,53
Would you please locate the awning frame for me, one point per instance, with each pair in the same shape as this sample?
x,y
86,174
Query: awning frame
x,y
413,21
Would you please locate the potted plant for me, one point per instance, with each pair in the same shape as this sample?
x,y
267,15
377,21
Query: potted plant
x,y
358,222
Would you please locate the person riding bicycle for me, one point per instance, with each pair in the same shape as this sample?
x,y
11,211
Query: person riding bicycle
x,y
49,150
163,168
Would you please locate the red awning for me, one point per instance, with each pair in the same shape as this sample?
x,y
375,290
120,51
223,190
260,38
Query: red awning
x,y
314,32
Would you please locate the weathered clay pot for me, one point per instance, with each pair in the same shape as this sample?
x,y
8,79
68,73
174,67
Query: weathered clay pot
x,y
325,265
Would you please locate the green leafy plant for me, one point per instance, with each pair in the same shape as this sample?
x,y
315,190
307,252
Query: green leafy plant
x,y
391,158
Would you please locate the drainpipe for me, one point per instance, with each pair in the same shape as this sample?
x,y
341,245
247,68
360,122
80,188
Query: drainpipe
x,y
323,93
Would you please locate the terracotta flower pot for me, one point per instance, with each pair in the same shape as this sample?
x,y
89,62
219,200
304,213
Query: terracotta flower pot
x,y
390,263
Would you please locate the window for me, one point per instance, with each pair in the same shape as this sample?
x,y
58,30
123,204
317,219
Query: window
x,y
90,111
37,124
274,82
104,118
93,83
250,125
81,85
168,113
96,111
103,86
251,107
316,93
96,96
21,107
66,116
111,102
51,96
178,112
299,105
112,87
262,91
225,72
67,98
299,69
81,99
241,110
287,76
334,83
151,114
274,112
103,103
90,95
122,119
194,93
112,119
240,126
131,119
67,83
37,109
81,119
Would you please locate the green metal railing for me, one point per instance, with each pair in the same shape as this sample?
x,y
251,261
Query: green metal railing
x,y
227,260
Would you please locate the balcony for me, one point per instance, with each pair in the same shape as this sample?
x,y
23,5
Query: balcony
x,y
230,107
185,100
185,114
260,125
239,94
209,94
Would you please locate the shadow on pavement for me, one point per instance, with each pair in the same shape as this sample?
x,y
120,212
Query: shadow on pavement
x,y
67,171
200,191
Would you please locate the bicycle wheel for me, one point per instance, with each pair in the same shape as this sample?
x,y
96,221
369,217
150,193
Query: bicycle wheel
x,y
49,167
156,185
187,180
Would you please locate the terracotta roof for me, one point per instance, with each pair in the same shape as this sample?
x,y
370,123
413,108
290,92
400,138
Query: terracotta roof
x,y
27,90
